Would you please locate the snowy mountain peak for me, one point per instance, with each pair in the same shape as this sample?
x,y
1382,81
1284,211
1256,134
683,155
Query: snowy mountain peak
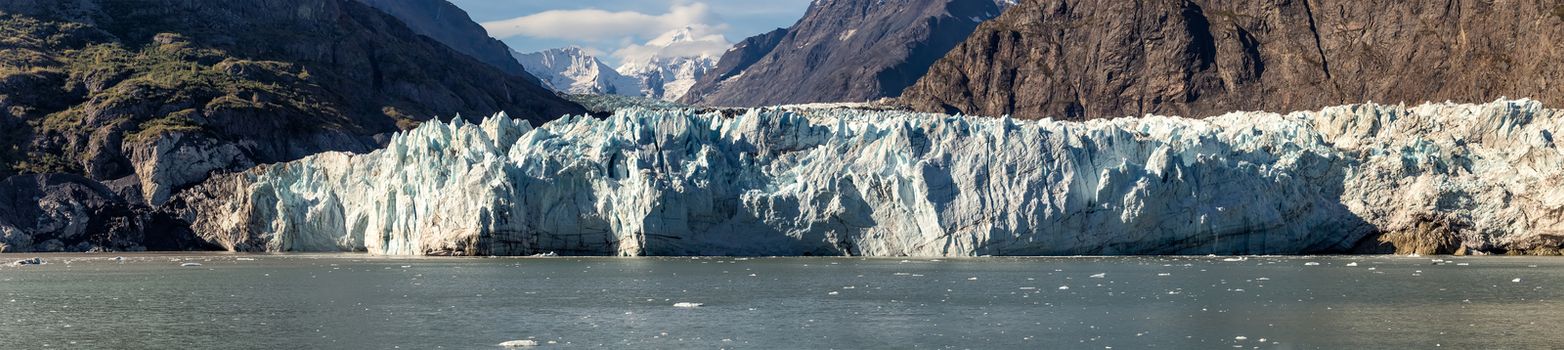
x,y
668,65
574,70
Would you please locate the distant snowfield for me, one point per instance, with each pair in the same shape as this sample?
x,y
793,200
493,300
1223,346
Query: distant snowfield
x,y
833,181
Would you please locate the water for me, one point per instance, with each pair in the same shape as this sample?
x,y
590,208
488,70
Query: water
x,y
356,301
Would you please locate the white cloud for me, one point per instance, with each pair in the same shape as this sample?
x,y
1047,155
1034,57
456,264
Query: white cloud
x,y
600,25
695,41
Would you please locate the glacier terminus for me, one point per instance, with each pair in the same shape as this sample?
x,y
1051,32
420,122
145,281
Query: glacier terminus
x,y
1476,178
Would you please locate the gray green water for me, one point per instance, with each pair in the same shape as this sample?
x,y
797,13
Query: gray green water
x,y
363,302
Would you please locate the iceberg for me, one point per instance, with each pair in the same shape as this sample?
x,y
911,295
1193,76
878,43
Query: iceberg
x,y
776,181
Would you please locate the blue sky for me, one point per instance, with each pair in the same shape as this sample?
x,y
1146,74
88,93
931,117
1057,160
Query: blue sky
x,y
612,28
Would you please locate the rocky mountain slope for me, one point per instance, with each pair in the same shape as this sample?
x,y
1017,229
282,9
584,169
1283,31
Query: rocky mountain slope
x,y
1096,59
150,96
450,25
1433,178
572,70
842,51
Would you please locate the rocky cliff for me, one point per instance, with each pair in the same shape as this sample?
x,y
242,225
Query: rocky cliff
x,y
842,51
444,22
1097,59
150,96
1431,178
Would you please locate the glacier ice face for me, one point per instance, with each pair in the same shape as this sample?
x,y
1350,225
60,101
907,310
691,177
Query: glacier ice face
x,y
838,182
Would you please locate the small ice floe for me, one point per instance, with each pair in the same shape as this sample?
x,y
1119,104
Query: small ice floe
x,y
687,304
245,259
522,343
1240,338
1164,274
1517,280
832,293
1064,287
1463,264
971,278
1311,263
1241,258
1099,275
33,261
1352,264
190,264
543,255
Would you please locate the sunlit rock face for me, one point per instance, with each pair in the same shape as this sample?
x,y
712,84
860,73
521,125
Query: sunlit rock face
x,y
849,182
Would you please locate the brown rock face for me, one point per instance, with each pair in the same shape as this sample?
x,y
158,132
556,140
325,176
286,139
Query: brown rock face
x,y
842,51
1103,59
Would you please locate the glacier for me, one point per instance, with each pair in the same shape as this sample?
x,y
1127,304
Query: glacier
x,y
1472,178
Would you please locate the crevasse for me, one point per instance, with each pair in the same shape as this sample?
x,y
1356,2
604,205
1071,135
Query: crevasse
x,y
849,182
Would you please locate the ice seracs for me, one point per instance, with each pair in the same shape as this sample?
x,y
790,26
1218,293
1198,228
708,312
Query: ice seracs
x,y
881,183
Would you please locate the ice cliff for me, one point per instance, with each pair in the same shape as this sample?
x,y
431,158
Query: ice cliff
x,y
1474,177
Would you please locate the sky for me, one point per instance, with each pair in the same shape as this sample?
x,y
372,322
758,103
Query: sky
x,y
615,30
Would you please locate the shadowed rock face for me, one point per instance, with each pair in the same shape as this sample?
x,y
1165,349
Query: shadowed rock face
x,y
444,22
146,97
71,213
1104,59
842,50
103,87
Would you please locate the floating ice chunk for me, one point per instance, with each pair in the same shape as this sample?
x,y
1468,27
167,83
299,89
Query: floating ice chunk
x,y
1517,280
190,264
1241,258
522,343
245,259
971,278
1099,275
1064,287
1352,264
832,293
1311,263
1240,338
1164,274
687,304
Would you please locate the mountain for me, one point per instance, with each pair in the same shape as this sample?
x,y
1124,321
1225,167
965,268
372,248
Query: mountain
x,y
572,70
667,66
147,97
842,51
450,25
1435,178
1105,59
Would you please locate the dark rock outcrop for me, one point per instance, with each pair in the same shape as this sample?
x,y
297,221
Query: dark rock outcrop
x,y
1103,59
147,97
842,51
444,22
96,81
61,212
